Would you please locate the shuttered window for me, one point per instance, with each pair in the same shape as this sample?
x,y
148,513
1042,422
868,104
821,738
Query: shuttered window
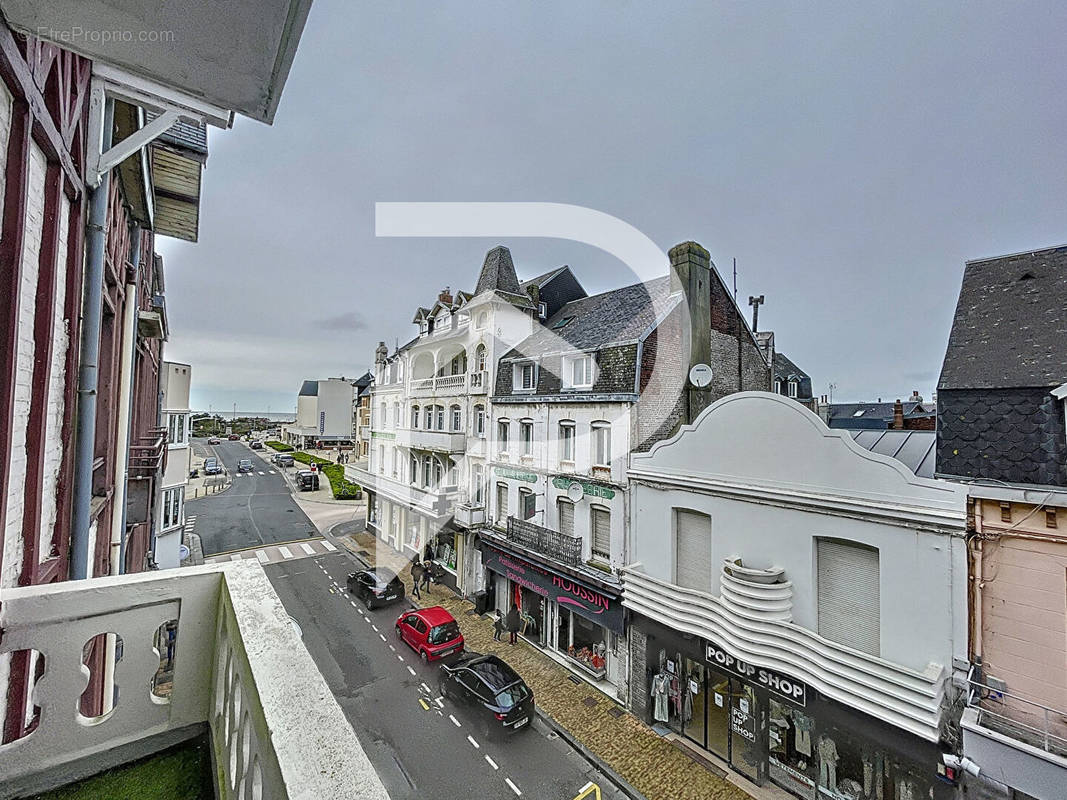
x,y
601,525
566,517
692,550
501,502
849,595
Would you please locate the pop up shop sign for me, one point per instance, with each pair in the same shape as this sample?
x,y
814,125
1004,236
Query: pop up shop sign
x,y
775,682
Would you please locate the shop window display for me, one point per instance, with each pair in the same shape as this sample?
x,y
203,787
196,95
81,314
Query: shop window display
x,y
583,641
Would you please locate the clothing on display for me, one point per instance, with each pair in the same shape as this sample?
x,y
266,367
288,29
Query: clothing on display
x,y
660,689
827,763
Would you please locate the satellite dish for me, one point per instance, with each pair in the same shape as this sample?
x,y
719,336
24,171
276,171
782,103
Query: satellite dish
x,y
575,492
700,375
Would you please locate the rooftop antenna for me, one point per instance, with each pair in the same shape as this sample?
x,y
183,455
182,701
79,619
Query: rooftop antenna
x,y
832,387
735,281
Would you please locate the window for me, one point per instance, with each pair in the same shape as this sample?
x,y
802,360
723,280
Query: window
x,y
172,507
526,436
542,310
414,471
394,462
382,420
792,388
601,444
560,323
479,421
396,415
503,429
527,504
457,418
176,429
525,376
427,472
501,502
381,459
600,524
566,441
414,417
580,372
440,412
777,387
479,358
566,517
849,594
427,418
477,479
436,471
692,550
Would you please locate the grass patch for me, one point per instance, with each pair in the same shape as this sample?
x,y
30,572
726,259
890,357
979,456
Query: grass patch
x,y
281,448
181,773
335,473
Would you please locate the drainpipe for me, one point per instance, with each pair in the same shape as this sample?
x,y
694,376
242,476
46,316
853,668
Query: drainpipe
x,y
978,572
125,406
92,312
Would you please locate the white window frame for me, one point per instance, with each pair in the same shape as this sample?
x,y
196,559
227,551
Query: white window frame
x,y
595,553
414,417
587,365
600,444
479,421
177,429
478,479
439,417
503,434
567,437
173,508
777,387
792,386
519,373
456,414
526,436
501,508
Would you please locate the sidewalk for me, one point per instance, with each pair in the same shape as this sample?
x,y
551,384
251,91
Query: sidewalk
x,y
204,485
613,736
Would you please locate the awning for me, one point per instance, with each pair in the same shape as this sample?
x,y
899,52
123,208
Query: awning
x,y
235,55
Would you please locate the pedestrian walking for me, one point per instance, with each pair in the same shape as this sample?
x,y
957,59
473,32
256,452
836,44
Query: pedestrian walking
x,y
498,627
416,577
427,574
512,624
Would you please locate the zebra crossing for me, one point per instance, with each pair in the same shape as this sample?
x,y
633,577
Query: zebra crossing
x,y
261,472
274,553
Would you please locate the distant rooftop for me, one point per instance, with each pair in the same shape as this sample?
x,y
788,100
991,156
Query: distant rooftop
x,y
914,449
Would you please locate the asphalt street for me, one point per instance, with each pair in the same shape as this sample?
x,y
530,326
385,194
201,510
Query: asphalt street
x,y
421,745
258,509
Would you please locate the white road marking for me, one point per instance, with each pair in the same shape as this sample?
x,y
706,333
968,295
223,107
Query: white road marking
x,y
262,556
471,740
399,657
514,788
410,669
235,557
260,473
286,552
353,602
366,619
425,688
329,546
454,720
392,648
307,548
381,637
440,701
375,627
272,472
491,763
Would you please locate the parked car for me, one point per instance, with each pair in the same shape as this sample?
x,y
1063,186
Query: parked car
x,y
212,466
256,444
490,689
233,437
245,465
214,440
307,481
433,633
376,586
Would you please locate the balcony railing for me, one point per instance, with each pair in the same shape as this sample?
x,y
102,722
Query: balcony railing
x,y
470,515
148,457
231,675
440,441
479,382
442,384
1033,723
436,501
559,546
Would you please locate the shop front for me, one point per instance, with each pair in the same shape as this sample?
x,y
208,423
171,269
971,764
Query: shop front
x,y
770,726
577,619
444,549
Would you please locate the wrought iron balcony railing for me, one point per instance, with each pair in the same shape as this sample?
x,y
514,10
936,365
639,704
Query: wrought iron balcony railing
x,y
560,546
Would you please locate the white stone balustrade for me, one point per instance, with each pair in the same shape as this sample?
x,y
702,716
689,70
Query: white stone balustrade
x,y
241,673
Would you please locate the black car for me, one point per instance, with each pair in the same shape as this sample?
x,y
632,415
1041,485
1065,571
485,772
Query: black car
x,y
211,467
245,465
491,689
307,481
376,587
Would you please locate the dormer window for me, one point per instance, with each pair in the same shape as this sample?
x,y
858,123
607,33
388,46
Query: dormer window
x,y
792,388
542,310
424,327
777,387
525,376
579,372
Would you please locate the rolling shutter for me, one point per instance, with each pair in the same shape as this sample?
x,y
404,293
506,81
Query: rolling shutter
x,y
692,554
849,605
501,502
566,517
601,532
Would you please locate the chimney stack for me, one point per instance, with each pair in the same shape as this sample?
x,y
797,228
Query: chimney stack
x,y
915,396
898,416
380,353
691,275
445,297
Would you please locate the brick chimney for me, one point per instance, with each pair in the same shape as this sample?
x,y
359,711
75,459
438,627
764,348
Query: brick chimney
x,y
445,297
691,275
898,416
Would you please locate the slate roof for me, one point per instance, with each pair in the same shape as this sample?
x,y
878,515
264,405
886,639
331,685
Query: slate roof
x,y
541,280
1010,327
309,389
602,320
880,411
498,273
916,450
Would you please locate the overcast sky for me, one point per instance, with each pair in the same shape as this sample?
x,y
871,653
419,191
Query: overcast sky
x,y
850,156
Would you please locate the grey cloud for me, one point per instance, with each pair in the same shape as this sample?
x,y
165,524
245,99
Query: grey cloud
x,y
348,321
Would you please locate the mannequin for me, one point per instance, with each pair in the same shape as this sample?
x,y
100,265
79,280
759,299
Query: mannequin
x,y
660,689
827,763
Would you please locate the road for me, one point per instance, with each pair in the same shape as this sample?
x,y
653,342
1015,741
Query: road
x,y
258,509
421,745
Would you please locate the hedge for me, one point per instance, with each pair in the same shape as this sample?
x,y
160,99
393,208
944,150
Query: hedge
x,y
281,448
335,473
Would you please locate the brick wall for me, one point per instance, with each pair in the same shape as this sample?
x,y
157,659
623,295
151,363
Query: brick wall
x,y
639,688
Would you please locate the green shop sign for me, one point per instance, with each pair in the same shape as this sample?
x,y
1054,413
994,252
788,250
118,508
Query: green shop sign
x,y
378,435
591,489
515,475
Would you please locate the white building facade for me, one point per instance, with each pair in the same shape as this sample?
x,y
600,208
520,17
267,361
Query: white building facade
x,y
799,604
323,415
177,422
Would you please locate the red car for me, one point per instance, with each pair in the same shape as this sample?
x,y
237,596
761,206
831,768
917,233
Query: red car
x,y
432,632
233,437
